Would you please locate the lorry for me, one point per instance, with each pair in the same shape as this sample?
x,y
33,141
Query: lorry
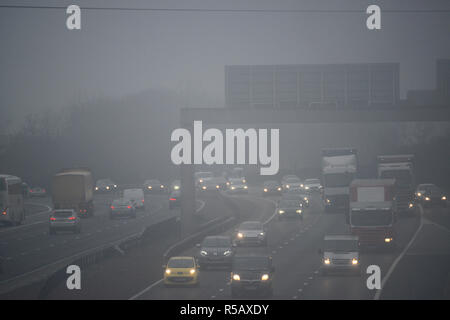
x,y
400,168
74,189
372,213
339,168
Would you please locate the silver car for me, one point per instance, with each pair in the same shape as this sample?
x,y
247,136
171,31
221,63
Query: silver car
x,y
340,253
251,232
122,207
64,220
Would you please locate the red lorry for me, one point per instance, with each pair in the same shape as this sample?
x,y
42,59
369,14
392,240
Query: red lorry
x,y
372,214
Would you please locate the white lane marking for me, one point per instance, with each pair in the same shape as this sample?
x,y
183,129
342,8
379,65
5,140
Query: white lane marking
x,y
202,205
400,256
146,289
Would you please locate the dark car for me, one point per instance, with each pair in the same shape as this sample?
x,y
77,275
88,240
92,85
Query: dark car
x,y
122,207
289,208
428,194
25,190
153,186
174,199
215,251
271,187
37,192
297,195
252,274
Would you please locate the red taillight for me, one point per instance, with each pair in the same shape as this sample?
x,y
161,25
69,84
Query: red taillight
x,y
112,207
129,207
173,199
142,200
72,218
43,190
4,213
52,218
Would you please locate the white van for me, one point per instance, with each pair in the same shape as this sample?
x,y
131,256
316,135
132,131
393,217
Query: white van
x,y
135,196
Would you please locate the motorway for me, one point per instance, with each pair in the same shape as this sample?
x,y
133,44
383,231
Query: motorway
x,y
418,269
29,248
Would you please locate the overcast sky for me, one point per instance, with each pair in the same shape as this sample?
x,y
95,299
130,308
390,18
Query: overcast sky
x,y
117,53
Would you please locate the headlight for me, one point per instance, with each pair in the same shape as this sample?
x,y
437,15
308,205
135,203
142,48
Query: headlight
x,y
387,240
265,277
149,187
168,271
236,277
427,199
418,194
301,185
326,261
244,181
280,211
162,186
228,183
261,233
287,186
96,188
245,187
265,190
217,187
305,198
203,253
306,188
328,200
227,253
176,187
107,188
354,261
444,198
240,235
232,188
200,180
410,205
298,211
192,271
115,186
204,187
279,189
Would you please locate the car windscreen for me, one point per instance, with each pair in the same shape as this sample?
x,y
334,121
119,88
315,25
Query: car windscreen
x,y
312,181
180,263
292,180
216,242
251,226
402,177
62,214
251,263
270,184
235,181
340,245
120,203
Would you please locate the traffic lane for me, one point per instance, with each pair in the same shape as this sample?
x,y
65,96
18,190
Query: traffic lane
x,y
423,272
31,248
438,215
120,277
352,286
214,284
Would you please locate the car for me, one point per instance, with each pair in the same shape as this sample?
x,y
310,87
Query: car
x,y
105,186
200,176
135,196
181,271
25,190
289,208
215,251
176,185
252,274
292,183
237,186
271,187
251,233
174,199
340,253
64,220
37,192
297,194
122,207
312,185
153,186
429,194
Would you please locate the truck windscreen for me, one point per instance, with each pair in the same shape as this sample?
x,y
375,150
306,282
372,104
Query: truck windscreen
x,y
338,179
2,184
371,218
403,177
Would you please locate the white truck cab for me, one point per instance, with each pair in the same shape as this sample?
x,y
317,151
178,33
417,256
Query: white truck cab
x,y
135,196
340,253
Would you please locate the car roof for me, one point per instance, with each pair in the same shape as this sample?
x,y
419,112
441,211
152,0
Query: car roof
x,y
182,258
371,205
340,237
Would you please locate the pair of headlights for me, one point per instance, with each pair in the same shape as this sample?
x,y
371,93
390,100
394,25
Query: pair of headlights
x,y
226,253
327,261
192,271
264,277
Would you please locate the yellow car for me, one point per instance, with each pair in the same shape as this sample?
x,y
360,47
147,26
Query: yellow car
x,y
181,271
